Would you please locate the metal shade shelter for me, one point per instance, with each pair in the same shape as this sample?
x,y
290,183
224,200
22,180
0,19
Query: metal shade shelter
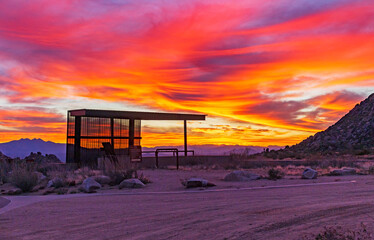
x,y
87,129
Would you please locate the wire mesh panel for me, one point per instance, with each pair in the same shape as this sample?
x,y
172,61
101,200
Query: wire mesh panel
x,y
90,150
95,127
137,128
93,132
121,146
137,132
71,125
121,127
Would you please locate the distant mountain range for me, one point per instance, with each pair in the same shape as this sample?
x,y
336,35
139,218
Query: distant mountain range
x,y
353,133
23,147
210,149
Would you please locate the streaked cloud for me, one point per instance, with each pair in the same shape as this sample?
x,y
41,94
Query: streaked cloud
x,y
289,67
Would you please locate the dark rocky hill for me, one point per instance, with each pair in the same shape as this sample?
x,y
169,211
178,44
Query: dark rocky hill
x,y
4,157
352,134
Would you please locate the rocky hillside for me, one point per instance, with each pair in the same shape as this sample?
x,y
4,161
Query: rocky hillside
x,y
40,158
4,157
354,133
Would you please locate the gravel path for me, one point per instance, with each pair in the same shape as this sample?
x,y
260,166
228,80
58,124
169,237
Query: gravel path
x,y
268,213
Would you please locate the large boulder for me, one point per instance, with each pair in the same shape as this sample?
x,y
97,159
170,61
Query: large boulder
x,y
241,176
343,171
197,182
89,185
55,182
309,174
102,179
131,183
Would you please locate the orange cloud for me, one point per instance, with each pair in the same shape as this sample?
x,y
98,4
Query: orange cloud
x,y
247,63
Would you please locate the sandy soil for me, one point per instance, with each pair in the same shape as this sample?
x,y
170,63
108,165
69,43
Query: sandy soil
x,y
164,210
3,202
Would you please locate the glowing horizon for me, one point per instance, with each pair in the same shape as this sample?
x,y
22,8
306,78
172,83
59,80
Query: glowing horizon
x,y
265,72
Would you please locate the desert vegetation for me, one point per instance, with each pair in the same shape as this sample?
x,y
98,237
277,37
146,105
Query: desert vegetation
x,y
20,176
341,233
49,177
23,176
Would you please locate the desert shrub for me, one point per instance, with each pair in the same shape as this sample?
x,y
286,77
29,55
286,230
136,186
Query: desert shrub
x,y
275,174
272,154
130,173
191,161
46,168
144,179
361,152
229,165
116,177
62,191
24,177
340,233
5,168
250,164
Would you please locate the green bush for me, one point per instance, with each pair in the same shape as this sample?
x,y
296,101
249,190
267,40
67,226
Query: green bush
x,y
24,177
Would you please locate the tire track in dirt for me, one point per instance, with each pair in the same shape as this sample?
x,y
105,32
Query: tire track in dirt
x,y
3,202
340,211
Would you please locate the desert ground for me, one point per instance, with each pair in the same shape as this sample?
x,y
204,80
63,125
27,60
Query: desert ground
x,y
263,209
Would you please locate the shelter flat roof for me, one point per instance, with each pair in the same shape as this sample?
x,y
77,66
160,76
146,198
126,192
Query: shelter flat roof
x,y
135,115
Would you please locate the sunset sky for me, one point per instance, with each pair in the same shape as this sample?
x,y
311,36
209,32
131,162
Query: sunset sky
x,y
265,72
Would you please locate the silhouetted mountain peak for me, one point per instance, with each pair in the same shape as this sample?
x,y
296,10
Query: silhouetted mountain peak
x,y
352,133
24,146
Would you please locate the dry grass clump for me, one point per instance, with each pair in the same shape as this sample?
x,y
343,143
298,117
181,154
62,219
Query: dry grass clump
x,y
23,176
5,168
275,174
116,177
371,170
340,233
144,179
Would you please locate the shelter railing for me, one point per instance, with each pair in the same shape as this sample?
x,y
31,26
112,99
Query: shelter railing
x,y
175,152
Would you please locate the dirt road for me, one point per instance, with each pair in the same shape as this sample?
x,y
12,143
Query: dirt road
x,y
279,213
3,202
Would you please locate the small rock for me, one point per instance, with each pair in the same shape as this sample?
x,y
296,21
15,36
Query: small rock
x,y
197,182
55,182
343,171
102,179
131,183
49,191
309,174
14,191
89,185
241,176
